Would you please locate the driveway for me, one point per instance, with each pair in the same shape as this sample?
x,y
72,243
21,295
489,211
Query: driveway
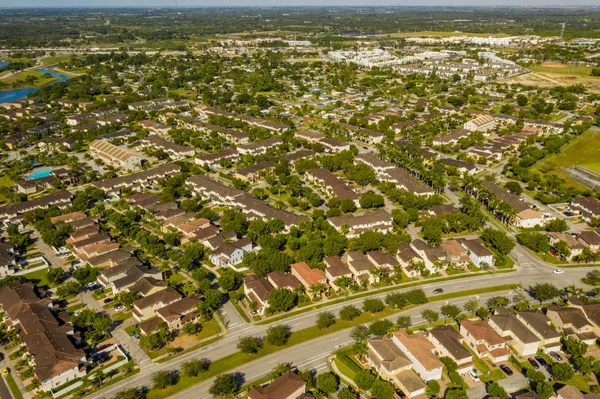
x,y
510,384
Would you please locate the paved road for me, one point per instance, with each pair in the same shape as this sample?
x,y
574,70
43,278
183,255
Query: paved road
x,y
314,354
4,391
127,342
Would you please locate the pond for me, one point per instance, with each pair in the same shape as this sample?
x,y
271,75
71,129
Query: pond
x,y
18,94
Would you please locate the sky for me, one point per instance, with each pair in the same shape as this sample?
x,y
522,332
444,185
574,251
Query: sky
x,y
256,3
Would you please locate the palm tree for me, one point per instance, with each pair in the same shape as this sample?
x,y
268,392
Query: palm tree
x,y
343,282
98,379
572,290
316,290
379,273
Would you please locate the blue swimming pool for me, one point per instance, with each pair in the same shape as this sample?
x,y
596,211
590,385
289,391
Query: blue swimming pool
x,y
39,173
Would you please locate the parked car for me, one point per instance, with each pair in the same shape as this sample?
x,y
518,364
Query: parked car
x,y
533,363
541,361
108,300
438,291
119,307
506,369
473,375
558,271
556,356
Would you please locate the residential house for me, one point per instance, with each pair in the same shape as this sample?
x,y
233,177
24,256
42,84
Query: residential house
x,y
146,307
231,254
48,340
448,342
287,386
479,254
175,315
283,280
378,220
590,239
457,254
484,340
435,258
408,258
421,353
517,335
309,277
574,245
8,259
115,156
482,123
587,207
335,269
361,267
257,290
572,322
541,325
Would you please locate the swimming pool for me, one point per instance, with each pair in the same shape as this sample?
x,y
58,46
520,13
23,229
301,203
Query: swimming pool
x,y
39,173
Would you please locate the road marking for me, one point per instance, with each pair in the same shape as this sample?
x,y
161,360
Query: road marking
x,y
273,361
337,339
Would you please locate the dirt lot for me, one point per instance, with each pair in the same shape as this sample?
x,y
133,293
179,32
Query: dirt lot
x,y
547,80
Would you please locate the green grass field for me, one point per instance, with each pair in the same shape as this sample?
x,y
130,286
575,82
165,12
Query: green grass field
x,y
5,181
49,61
583,152
563,69
41,80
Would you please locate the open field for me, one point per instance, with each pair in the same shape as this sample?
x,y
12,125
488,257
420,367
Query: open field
x,y
54,60
41,80
583,152
553,79
563,69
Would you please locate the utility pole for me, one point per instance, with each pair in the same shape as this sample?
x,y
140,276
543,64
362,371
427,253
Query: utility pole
x,y
562,31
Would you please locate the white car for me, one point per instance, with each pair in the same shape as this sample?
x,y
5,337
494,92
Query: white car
x,y
558,271
473,375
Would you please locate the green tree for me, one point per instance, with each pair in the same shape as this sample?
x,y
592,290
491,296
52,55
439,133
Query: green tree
x,y
325,319
382,390
249,344
346,393
364,380
494,389
163,379
430,315
195,367
574,347
433,387
562,371
278,335
224,385
373,305
380,327
132,393
544,291
450,311
349,312
360,333
327,382
54,275
282,300
192,328
403,322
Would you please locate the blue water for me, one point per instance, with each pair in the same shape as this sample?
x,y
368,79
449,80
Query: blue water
x,y
39,173
18,94
3,64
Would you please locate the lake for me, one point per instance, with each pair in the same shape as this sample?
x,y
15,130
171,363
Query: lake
x,y
18,94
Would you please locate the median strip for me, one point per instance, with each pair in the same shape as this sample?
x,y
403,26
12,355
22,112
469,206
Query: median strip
x,y
237,359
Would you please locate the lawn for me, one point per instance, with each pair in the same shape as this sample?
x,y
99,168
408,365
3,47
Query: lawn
x,y
562,69
5,181
579,382
12,385
49,61
209,329
39,278
41,80
582,152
